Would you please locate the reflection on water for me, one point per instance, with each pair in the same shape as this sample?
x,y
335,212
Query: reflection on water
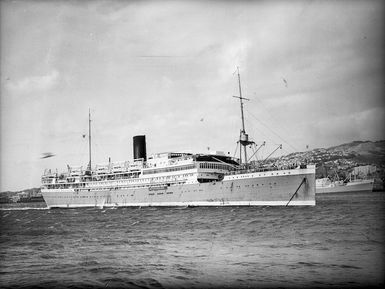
x,y
338,243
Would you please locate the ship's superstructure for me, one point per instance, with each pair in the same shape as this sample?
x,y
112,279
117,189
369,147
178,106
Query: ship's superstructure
x,y
180,179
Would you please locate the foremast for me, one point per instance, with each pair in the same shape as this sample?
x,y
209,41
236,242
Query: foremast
x,y
243,136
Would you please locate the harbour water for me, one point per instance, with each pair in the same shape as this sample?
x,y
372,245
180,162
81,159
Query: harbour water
x,y
339,243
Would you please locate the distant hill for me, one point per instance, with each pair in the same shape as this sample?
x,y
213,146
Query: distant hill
x,y
32,191
343,158
363,151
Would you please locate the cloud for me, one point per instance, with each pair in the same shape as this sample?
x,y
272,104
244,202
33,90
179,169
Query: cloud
x,y
233,55
34,83
152,68
337,129
166,82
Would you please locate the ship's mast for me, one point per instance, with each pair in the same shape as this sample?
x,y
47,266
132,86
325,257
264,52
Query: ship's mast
x,y
240,99
243,137
89,137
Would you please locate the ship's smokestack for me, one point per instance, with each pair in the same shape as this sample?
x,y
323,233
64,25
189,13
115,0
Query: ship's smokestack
x,y
140,147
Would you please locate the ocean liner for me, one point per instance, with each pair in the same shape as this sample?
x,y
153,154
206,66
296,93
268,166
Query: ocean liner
x,y
181,179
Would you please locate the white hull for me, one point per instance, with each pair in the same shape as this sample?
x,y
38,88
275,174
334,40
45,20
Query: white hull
x,y
354,186
272,188
191,204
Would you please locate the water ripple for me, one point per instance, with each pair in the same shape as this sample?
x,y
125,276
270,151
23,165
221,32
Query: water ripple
x,y
338,243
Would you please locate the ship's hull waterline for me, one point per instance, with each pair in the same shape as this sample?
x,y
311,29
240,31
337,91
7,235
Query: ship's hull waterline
x,y
272,188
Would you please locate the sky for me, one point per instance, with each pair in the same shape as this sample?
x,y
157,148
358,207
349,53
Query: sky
x,y
313,71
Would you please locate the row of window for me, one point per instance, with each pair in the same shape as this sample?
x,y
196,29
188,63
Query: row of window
x,y
98,197
132,183
143,186
259,175
170,169
74,197
215,166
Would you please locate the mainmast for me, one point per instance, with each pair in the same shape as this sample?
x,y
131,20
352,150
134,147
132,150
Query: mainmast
x,y
240,99
243,137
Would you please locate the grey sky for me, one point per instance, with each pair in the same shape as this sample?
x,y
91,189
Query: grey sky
x,y
312,69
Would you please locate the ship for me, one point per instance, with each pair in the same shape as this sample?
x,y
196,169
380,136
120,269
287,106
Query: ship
x,y
326,185
181,179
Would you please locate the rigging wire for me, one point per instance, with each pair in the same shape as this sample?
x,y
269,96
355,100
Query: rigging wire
x,y
270,114
267,144
295,149
254,153
79,146
95,142
236,149
83,144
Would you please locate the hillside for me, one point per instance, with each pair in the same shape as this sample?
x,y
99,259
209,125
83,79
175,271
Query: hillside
x,y
343,158
8,194
365,151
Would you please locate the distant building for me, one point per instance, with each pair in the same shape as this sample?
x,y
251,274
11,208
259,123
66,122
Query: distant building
x,y
22,195
364,170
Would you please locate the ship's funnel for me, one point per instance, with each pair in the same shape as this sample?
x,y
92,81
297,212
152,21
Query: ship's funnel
x,y
140,147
